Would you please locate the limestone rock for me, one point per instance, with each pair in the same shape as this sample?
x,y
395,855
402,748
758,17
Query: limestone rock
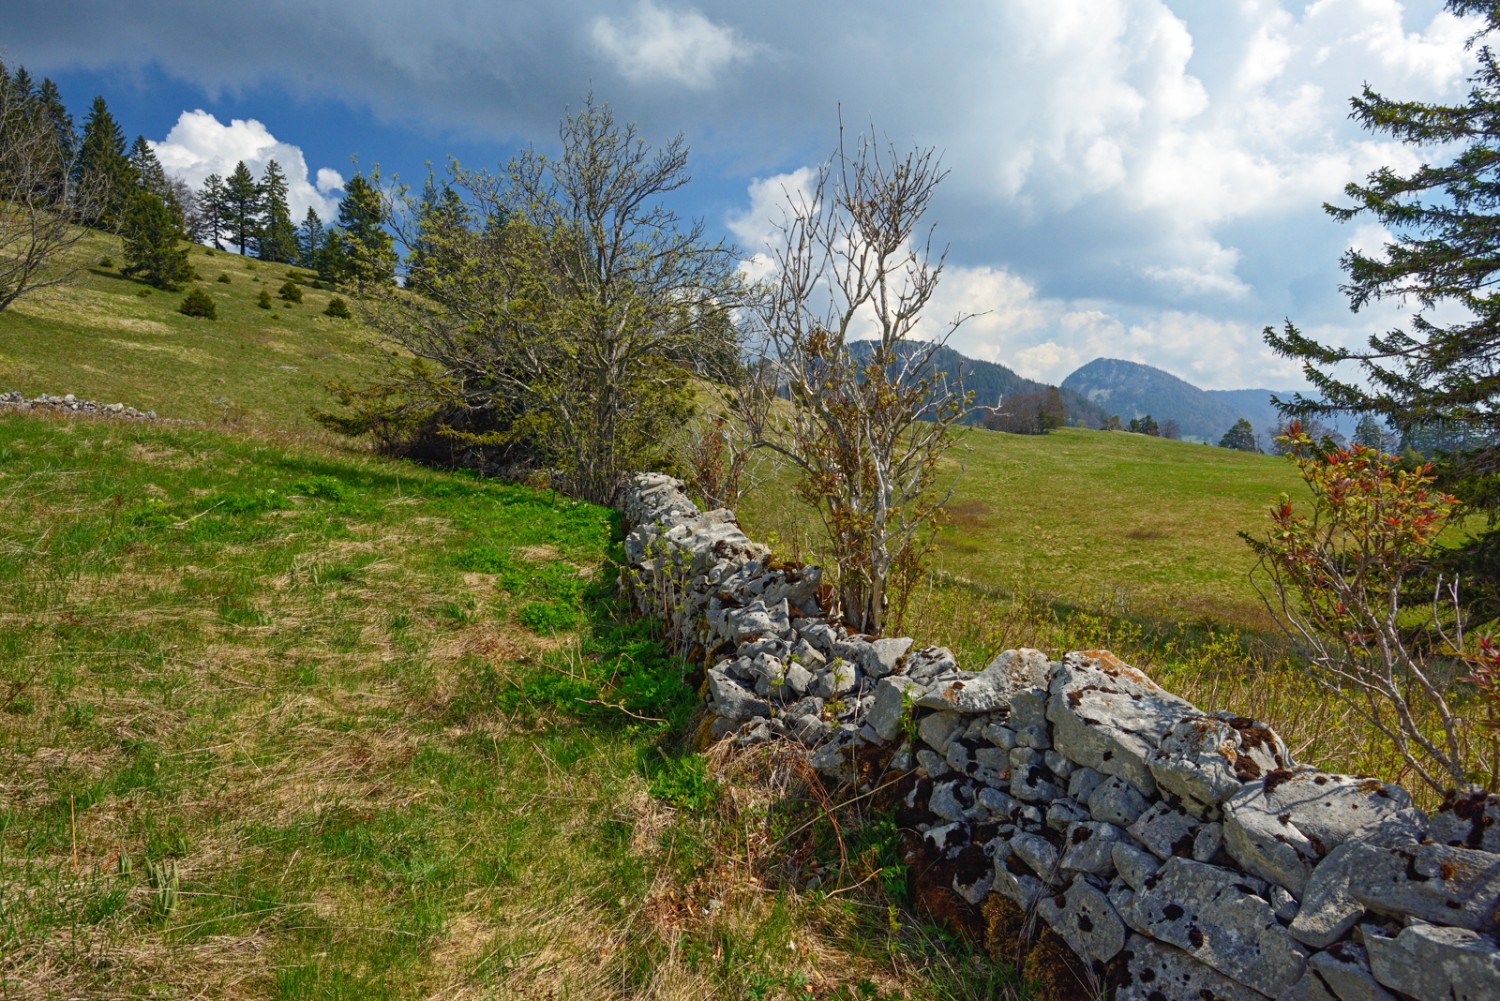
x,y
892,704
1206,759
1088,846
1086,920
1116,801
1157,972
1109,717
1468,820
1437,883
1165,831
930,663
1213,915
1437,964
880,657
1340,974
986,691
1134,865
732,701
1038,853
937,729
1281,826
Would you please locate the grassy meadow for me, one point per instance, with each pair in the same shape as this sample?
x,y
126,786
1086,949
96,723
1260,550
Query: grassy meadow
x,y
105,337
1118,521
279,719
277,722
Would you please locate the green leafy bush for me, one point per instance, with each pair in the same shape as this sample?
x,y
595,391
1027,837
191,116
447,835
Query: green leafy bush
x,y
290,291
338,308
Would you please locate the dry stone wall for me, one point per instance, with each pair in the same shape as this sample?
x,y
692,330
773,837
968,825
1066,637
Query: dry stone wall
x,y
1180,854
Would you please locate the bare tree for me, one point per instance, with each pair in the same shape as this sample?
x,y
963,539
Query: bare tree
x,y
555,310
869,416
36,197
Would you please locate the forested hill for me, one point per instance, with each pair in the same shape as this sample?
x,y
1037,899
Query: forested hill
x,y
991,382
1133,390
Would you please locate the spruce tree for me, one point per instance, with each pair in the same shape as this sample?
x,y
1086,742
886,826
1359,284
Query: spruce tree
x,y
152,233
243,209
213,206
278,237
310,239
366,253
50,102
103,170
149,174
1441,373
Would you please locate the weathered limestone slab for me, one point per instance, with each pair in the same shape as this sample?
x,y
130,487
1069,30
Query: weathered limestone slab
x,y
1468,820
1117,801
731,700
1339,974
1166,831
969,693
1281,826
1109,717
1086,920
892,704
1157,972
1437,964
1206,759
1215,916
1437,883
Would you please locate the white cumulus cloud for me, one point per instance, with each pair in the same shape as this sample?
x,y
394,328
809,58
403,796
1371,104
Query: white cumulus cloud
x,y
655,43
200,145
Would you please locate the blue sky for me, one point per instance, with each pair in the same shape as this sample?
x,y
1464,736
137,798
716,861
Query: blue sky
x,y
1138,179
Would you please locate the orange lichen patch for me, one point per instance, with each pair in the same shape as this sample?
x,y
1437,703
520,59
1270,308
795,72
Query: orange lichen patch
x,y
1108,663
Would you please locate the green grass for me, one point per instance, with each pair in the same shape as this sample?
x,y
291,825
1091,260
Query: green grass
x,y
388,728
105,337
1098,519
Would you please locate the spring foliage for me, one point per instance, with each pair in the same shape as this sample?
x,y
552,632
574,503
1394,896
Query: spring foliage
x,y
1335,574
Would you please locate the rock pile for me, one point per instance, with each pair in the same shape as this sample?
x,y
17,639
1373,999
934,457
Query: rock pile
x,y
1181,854
70,404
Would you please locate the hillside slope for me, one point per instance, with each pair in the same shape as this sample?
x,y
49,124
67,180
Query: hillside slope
x,y
991,382
108,338
1133,390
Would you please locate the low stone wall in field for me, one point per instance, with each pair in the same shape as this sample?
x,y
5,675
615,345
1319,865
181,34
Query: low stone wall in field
x,y
1178,853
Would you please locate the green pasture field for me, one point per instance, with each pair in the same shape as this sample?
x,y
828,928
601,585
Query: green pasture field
x,y
1102,519
279,721
108,338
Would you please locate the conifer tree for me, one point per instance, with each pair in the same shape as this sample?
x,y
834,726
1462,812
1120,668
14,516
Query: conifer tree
x,y
1241,437
103,168
310,239
50,102
365,254
149,175
213,206
278,236
1438,380
243,209
152,235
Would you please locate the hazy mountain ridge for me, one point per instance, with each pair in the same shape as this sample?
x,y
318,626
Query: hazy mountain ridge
x,y
991,382
1131,389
